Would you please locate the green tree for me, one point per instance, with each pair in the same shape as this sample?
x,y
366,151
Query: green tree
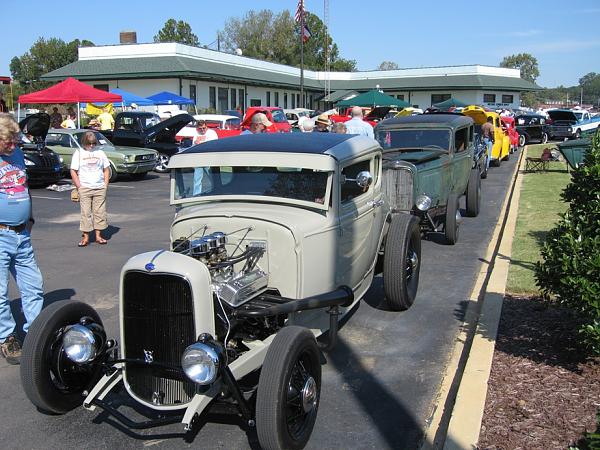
x,y
44,56
276,37
527,63
387,65
177,31
590,83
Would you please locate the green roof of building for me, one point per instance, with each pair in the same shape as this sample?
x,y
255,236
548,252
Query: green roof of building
x,y
180,66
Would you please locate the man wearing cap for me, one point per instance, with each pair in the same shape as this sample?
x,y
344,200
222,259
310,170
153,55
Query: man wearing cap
x,y
322,124
258,124
357,125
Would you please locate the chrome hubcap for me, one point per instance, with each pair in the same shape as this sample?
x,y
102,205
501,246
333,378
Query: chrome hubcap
x,y
413,260
458,217
309,394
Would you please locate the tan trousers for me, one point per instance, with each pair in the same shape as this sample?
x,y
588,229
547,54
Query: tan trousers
x,y
93,209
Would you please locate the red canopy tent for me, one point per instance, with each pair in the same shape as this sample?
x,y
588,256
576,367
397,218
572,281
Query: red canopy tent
x,y
70,91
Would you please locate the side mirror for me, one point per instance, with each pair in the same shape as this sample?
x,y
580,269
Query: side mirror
x,y
363,179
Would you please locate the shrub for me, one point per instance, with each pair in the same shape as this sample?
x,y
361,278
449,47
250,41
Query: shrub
x,y
570,267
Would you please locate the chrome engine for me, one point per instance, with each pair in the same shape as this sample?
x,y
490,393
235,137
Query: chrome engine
x,y
233,287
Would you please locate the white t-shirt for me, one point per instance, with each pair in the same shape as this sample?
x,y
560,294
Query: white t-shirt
x,y
210,135
90,167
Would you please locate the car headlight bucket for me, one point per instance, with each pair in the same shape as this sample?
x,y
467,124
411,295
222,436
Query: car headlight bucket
x,y
79,344
423,202
200,362
29,162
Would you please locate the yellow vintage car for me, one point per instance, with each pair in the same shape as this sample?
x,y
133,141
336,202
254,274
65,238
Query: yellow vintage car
x,y
501,148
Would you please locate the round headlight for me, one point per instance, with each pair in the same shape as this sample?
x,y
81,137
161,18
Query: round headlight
x,y
79,344
200,362
423,202
29,162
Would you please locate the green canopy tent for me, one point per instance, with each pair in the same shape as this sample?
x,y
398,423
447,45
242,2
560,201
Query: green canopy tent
x,y
450,103
374,98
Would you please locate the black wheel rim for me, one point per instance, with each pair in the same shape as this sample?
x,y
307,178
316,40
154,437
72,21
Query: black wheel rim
x,y
411,267
298,399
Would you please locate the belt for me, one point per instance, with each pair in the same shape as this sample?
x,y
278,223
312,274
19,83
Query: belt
x,y
15,228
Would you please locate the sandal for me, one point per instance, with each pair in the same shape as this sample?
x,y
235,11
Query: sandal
x,y
101,241
83,243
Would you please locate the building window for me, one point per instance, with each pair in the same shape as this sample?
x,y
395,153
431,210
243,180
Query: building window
x,y
242,100
276,99
507,98
285,100
310,101
439,98
400,97
233,98
293,101
193,92
268,98
102,87
298,100
223,99
212,97
489,98
255,102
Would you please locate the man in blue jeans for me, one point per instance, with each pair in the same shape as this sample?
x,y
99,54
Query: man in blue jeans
x,y
16,253
487,132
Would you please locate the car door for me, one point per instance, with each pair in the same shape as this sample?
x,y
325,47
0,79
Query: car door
x,y
356,218
535,129
462,161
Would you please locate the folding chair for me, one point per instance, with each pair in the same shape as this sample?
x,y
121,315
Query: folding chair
x,y
538,164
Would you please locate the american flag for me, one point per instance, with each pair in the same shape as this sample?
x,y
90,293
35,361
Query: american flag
x,y
299,11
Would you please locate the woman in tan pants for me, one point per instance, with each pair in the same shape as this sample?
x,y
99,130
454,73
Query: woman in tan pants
x,y
90,173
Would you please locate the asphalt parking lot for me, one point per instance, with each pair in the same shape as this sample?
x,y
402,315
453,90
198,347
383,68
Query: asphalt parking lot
x,y
379,384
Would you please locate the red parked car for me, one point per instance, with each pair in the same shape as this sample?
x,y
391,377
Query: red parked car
x,y
273,113
370,115
510,129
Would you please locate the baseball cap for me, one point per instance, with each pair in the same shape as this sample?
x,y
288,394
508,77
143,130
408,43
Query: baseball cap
x,y
261,118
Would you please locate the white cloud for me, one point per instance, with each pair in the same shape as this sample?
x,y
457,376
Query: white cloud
x,y
524,33
564,46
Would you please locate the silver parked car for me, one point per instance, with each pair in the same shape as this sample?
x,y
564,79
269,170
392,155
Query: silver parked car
x,y
274,238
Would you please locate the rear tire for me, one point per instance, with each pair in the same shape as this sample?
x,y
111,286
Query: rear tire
x,y
544,138
289,388
522,140
473,199
452,223
42,352
402,262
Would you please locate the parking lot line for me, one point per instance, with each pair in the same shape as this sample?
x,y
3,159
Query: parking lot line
x,y
46,198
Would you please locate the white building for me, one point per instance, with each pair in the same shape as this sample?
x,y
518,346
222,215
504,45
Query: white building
x,y
224,81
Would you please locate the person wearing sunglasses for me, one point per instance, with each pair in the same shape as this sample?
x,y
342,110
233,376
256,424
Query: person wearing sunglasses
x,y
16,254
90,173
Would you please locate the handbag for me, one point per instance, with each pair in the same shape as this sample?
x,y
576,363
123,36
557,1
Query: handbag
x,y
75,192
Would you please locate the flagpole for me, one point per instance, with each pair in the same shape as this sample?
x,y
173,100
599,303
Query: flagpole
x,y
302,57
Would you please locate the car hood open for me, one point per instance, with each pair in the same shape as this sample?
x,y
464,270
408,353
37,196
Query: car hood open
x,y
562,115
166,130
36,125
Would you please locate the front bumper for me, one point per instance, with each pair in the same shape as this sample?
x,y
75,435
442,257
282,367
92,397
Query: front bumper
x,y
561,132
136,167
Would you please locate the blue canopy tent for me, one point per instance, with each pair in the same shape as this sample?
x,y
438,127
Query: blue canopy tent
x,y
168,98
129,98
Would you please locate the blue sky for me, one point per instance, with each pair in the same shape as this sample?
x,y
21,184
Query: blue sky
x,y
563,36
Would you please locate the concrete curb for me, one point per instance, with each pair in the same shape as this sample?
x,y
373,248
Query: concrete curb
x,y
456,420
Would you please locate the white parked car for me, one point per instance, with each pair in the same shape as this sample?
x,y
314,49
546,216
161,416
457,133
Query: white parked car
x,y
274,238
223,125
293,116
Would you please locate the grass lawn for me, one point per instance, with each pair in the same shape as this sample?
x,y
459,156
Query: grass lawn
x,y
539,207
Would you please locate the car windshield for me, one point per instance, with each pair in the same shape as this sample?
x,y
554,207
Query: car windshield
x,y
414,138
278,116
293,183
102,140
579,115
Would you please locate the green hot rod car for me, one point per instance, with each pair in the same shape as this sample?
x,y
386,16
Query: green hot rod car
x,y
136,162
428,164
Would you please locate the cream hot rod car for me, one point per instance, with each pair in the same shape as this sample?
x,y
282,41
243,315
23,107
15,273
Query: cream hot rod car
x,y
275,236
